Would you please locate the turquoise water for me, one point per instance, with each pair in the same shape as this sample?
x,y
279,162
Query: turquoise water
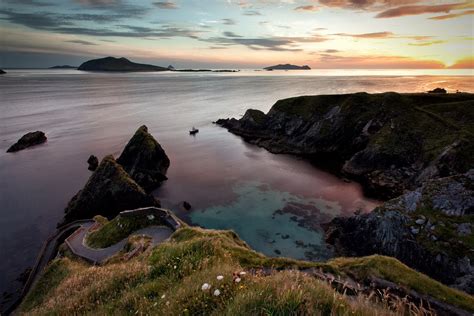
x,y
257,217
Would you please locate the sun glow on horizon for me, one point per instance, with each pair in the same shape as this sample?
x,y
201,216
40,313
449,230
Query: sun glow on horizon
x,y
323,34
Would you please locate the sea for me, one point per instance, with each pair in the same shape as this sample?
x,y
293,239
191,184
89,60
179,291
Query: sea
x,y
275,203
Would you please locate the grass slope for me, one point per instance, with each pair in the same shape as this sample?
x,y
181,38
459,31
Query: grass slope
x,y
167,280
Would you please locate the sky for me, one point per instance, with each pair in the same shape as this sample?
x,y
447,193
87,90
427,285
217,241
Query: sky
x,y
332,34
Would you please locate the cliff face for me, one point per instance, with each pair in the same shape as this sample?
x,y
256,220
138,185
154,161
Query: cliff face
x,y
117,64
389,142
429,229
108,191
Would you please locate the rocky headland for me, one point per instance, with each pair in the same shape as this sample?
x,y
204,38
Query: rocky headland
x,y
28,140
117,64
429,229
287,67
389,142
115,186
415,149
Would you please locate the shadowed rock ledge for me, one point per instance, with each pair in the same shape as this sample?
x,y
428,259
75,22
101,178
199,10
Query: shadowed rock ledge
x,y
108,191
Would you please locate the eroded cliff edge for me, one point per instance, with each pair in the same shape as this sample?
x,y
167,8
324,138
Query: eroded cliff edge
x,y
389,142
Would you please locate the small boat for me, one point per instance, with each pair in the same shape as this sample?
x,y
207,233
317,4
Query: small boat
x,y
194,131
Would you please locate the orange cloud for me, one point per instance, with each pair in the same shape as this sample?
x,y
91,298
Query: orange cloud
x,y
452,16
422,9
329,61
465,63
307,8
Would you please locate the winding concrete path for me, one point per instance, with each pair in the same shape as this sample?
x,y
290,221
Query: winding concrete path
x,y
76,242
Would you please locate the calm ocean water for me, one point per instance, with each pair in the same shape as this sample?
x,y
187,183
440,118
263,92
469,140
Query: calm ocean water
x,y
267,199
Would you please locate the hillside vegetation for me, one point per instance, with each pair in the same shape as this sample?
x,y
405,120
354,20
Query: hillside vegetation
x,y
169,280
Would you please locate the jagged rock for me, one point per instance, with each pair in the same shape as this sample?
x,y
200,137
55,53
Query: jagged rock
x,y
108,191
93,162
464,229
387,231
186,205
28,140
389,142
144,159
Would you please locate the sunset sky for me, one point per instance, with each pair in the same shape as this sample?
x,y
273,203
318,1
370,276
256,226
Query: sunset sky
x,y
238,33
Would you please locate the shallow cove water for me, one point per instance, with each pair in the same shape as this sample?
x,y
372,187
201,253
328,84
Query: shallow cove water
x,y
275,202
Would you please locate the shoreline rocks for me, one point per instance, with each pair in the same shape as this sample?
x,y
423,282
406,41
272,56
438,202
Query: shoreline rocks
x,y
2,72
428,229
108,191
28,140
145,160
389,142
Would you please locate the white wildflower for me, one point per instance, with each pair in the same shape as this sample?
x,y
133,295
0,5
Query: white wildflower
x,y
220,277
174,267
217,293
237,280
242,273
205,286
151,217
163,296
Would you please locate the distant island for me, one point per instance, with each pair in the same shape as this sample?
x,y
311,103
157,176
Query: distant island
x,y
117,64
206,70
2,72
63,67
287,67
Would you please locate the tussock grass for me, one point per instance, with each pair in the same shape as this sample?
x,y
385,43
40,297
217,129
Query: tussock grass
x,y
167,281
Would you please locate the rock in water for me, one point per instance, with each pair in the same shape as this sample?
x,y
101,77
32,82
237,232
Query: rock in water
x,y
108,191
2,72
28,140
144,160
93,162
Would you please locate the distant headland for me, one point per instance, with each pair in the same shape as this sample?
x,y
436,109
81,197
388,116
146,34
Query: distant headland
x,y
117,64
63,67
287,67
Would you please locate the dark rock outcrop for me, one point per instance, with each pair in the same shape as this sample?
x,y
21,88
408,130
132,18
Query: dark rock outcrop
x,y
2,72
28,140
389,142
144,159
93,162
117,64
287,67
438,90
420,228
108,191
